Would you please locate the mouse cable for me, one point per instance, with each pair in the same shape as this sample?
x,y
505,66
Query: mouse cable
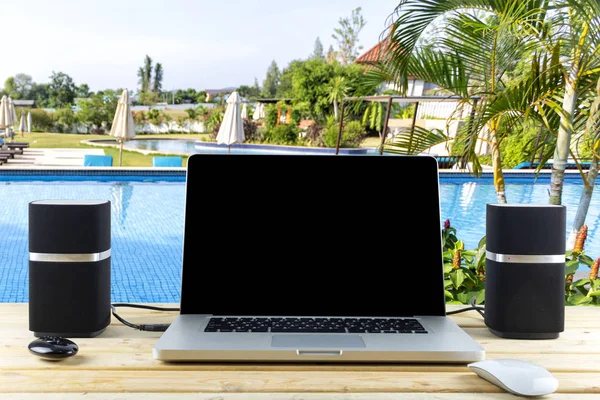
x,y
473,307
144,328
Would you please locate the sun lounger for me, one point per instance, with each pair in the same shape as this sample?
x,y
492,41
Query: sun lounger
x,y
167,162
17,146
97,161
9,153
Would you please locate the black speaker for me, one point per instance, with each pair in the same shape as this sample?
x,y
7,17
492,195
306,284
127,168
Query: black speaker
x,y
525,276
69,268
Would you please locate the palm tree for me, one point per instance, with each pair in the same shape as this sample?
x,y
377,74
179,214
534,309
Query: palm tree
x,y
147,73
479,43
592,136
142,81
158,77
577,28
338,89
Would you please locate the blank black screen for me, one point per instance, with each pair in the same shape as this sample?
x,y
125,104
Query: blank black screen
x,y
312,236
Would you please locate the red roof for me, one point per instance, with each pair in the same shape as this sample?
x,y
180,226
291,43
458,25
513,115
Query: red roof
x,y
374,55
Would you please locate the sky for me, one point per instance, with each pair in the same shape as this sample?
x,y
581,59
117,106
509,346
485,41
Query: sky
x,y
202,44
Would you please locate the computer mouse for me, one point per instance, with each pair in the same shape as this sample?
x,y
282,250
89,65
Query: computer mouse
x,y
53,348
521,378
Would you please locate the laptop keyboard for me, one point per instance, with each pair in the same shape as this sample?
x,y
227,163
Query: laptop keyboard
x,y
315,325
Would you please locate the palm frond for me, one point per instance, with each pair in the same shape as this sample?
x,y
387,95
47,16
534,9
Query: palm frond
x,y
417,141
412,18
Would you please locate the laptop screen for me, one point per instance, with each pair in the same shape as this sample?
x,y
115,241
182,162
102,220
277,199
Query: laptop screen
x,y
278,235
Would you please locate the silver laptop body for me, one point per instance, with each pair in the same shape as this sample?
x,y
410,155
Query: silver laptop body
x,y
313,259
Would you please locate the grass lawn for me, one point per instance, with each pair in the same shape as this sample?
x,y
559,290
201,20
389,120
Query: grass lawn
x,y
72,141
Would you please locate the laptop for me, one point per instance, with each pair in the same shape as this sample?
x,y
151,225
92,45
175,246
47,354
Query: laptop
x,y
302,258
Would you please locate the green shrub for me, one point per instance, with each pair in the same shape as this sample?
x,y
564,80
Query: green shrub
x,y
353,134
330,136
214,119
271,114
65,119
41,121
282,134
519,147
251,131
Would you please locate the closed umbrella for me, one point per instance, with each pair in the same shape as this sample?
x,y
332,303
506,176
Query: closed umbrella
x,y
245,111
232,128
263,113
22,124
123,127
256,115
6,116
29,121
14,117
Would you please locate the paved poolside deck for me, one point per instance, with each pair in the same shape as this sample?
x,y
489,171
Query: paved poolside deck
x,y
36,158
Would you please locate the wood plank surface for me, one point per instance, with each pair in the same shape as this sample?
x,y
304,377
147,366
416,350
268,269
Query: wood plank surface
x,y
119,365
280,396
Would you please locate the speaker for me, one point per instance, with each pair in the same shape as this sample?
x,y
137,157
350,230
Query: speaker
x,y
69,268
525,275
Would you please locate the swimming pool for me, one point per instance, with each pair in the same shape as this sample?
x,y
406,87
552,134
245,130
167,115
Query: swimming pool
x,y
148,215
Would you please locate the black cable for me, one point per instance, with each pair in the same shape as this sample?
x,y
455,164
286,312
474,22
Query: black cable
x,y
164,327
145,328
473,307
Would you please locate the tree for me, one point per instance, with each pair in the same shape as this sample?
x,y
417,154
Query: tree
x,y
347,36
143,80
148,98
145,75
148,73
331,55
579,32
83,91
99,110
62,90
471,57
39,93
10,88
250,92
319,51
158,78
271,82
23,84
309,84
338,90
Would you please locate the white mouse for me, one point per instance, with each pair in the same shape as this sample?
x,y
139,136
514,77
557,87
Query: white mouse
x,y
521,378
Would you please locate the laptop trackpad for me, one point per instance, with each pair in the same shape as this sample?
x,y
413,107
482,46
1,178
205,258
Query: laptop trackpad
x,y
314,342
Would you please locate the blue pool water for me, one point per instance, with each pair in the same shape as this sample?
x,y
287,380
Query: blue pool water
x,y
148,217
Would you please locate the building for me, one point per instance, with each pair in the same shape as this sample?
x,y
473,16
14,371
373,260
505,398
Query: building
x,y
24,103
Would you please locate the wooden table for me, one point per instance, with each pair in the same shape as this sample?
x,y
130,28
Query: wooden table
x,y
119,365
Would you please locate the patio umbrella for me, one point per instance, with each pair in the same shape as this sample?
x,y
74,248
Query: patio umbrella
x,y
256,115
232,128
29,121
22,124
6,116
123,127
14,117
263,113
245,111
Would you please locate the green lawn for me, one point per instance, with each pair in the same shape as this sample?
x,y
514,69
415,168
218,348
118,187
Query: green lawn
x,y
71,141
130,158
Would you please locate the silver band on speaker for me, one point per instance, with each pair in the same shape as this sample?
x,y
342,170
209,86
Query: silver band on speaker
x,y
526,259
69,258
